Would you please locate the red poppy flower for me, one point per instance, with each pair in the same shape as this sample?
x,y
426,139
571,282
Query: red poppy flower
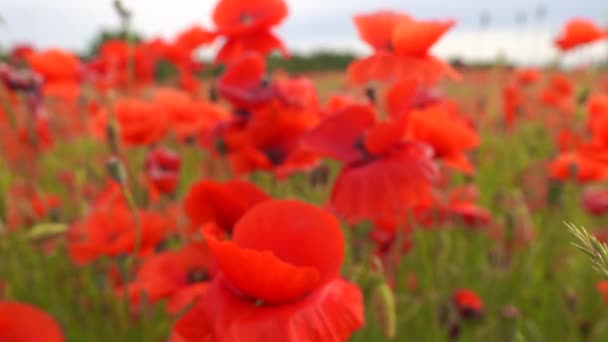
x,y
140,123
408,94
602,288
512,102
448,134
595,201
118,65
389,67
579,166
237,17
180,276
111,231
528,76
468,303
221,203
384,174
577,32
275,283
244,82
26,323
262,43
401,46
271,140
60,70
246,26
162,170
415,38
187,117
377,29
194,37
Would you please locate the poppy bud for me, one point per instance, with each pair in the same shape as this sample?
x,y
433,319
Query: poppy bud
x,y
384,307
117,170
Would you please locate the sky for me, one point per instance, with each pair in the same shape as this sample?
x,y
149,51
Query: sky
x,y
317,24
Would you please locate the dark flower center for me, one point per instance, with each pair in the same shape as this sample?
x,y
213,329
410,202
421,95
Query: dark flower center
x,y
276,156
246,19
197,275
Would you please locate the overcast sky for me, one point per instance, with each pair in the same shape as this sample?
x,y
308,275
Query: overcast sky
x,y
312,24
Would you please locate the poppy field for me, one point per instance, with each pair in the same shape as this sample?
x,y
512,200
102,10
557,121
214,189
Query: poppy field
x,y
401,199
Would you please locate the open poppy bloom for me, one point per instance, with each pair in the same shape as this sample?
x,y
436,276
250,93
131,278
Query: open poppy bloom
x,y
162,170
384,174
180,276
111,231
275,283
246,27
244,83
578,32
25,323
408,94
401,49
271,141
187,117
60,70
448,134
221,203
141,123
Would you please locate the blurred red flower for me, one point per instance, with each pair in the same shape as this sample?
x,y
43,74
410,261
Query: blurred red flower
x,y
180,276
577,32
275,283
224,204
26,323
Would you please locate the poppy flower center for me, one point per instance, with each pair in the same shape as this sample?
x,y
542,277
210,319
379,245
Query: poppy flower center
x,y
197,275
276,156
246,19
359,144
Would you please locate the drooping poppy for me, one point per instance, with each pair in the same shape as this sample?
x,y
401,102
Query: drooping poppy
x,y
21,322
224,204
179,276
578,32
384,173
468,303
272,286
